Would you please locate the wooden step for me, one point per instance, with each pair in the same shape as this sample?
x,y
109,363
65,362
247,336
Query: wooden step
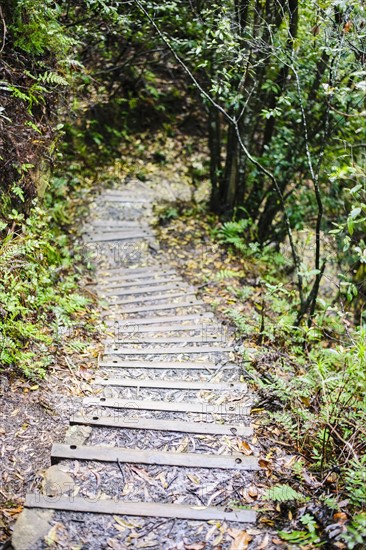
x,y
155,298
139,509
152,307
124,455
171,384
171,350
199,365
156,320
202,408
145,290
204,428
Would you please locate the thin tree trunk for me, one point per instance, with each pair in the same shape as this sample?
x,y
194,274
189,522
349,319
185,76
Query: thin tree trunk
x,y
214,140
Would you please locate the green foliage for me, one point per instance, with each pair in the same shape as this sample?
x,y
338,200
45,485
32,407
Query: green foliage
x,y
226,274
37,28
355,536
167,214
355,481
309,536
37,288
235,233
283,493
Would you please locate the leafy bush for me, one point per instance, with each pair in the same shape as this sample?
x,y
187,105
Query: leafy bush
x,y
38,293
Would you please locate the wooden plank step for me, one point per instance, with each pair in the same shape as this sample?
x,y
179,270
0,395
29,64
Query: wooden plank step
x,y
162,307
125,193
118,236
172,350
118,229
116,278
144,269
138,284
171,406
126,189
237,461
118,291
167,319
171,384
154,298
130,328
203,428
115,363
125,200
117,223
134,339
139,509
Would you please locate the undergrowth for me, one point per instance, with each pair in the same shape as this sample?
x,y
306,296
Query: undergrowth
x,y
39,293
311,382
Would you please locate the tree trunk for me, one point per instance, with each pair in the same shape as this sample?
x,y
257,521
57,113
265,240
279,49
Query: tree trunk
x,y
214,142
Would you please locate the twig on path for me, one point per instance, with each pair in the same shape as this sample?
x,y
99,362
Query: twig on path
x,y
192,492
121,470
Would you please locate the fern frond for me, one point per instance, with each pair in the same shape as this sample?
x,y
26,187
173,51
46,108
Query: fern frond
x,y
227,274
282,493
53,78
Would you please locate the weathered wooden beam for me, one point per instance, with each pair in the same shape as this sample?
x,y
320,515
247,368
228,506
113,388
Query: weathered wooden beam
x,y
237,461
139,509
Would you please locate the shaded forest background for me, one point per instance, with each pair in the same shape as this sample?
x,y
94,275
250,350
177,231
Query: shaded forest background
x,y
275,92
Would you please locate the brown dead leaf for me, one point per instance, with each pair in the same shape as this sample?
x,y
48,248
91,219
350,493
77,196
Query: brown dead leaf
x,y
253,491
264,463
267,521
241,539
245,448
341,517
12,511
195,546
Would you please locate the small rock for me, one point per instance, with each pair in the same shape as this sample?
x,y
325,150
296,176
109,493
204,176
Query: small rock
x,y
56,482
77,435
31,526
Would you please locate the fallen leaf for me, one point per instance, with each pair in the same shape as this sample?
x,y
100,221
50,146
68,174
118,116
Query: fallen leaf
x,y
245,448
194,479
253,491
241,540
340,516
264,544
264,463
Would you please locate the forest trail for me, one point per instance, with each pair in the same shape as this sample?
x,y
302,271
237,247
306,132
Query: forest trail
x,y
160,452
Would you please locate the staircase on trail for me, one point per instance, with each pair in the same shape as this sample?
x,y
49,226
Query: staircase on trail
x,y
168,408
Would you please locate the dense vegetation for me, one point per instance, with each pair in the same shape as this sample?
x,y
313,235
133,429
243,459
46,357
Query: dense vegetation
x,y
276,90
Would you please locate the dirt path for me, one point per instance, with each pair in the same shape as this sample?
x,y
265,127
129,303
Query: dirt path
x,y
159,455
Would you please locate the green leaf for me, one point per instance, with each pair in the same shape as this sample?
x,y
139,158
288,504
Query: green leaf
x,y
283,493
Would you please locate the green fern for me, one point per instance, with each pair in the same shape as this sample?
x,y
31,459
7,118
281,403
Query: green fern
x,y
233,233
356,532
227,274
283,493
76,346
53,78
19,94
